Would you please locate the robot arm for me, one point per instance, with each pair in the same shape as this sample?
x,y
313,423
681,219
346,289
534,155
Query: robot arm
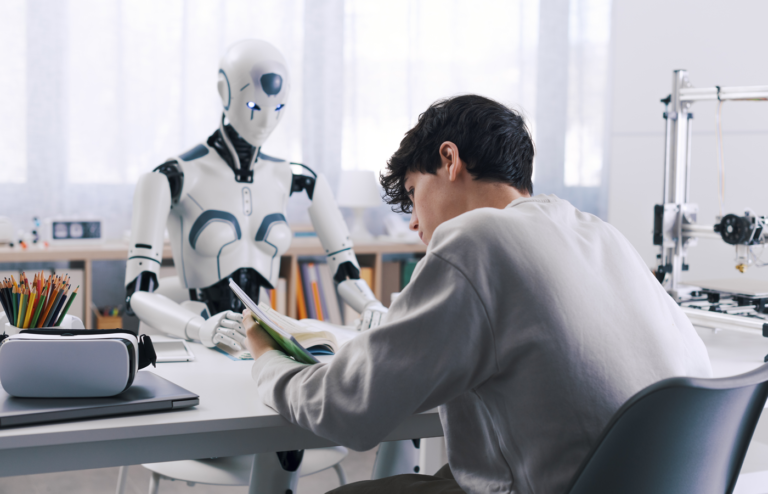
x,y
151,204
152,201
334,236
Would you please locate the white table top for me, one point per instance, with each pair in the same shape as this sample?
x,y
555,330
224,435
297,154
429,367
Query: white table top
x,y
230,419
733,352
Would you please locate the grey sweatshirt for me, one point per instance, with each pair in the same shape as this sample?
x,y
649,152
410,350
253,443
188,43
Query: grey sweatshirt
x,y
528,327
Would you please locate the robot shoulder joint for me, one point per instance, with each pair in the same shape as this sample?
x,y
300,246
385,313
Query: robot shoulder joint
x,y
302,181
175,174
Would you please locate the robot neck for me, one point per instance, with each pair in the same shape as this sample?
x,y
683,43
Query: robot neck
x,y
243,150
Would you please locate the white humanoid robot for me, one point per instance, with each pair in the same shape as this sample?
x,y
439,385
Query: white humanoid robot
x,y
223,203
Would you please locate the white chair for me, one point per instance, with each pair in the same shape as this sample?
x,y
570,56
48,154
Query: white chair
x,y
235,470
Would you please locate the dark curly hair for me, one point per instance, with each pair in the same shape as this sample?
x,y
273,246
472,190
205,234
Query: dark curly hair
x,y
493,141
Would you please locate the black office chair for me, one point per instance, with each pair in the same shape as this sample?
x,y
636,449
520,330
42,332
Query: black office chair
x,y
678,436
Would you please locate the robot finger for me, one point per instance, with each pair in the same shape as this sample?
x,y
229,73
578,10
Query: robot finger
x,y
234,316
375,319
228,323
238,336
220,338
366,320
227,332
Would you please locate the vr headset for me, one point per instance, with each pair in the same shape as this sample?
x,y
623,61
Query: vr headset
x,y
72,363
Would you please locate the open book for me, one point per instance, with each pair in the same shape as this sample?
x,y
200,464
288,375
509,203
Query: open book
x,y
300,341
317,341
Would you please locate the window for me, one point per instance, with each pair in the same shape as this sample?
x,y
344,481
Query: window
x,y
13,82
589,36
402,55
141,79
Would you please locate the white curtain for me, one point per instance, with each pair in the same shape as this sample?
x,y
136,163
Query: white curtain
x,y
589,38
402,55
141,79
98,92
95,92
13,84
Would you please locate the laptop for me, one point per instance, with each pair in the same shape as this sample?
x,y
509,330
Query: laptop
x,y
148,393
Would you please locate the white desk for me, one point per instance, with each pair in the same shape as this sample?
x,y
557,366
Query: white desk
x,y
230,420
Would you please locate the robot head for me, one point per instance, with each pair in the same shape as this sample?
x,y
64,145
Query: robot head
x,y
254,85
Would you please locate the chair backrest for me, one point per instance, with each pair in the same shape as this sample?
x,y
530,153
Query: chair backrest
x,y
678,436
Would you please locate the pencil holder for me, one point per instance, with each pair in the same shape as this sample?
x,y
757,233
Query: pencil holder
x,y
69,322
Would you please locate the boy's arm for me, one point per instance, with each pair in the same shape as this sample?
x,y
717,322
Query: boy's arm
x,y
438,345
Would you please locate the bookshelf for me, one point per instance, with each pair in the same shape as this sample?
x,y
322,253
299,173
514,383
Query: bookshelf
x,y
369,254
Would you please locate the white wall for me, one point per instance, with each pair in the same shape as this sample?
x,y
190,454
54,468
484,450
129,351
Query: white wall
x,y
720,43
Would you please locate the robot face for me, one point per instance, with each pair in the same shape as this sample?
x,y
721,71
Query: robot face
x,y
254,85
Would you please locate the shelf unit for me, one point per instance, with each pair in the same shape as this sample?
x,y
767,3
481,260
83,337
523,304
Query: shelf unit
x,y
368,254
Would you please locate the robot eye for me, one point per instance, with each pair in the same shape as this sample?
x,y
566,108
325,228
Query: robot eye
x,y
279,107
253,106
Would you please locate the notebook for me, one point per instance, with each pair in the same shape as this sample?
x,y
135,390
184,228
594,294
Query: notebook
x,y
287,342
148,393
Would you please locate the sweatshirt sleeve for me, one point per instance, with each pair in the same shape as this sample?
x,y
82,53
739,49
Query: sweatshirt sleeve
x,y
437,344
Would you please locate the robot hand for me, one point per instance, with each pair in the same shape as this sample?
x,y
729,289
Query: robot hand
x,y
359,296
372,316
225,327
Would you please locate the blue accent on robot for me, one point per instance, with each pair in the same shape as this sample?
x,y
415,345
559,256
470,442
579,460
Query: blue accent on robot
x,y
261,235
266,223
271,84
196,152
212,216
229,89
263,156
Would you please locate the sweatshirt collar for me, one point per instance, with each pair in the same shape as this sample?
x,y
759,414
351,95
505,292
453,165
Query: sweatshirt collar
x,y
539,198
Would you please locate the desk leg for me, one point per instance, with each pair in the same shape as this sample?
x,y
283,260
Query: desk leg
x,y
88,289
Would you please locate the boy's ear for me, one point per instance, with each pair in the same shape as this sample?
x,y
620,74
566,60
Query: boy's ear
x,y
449,156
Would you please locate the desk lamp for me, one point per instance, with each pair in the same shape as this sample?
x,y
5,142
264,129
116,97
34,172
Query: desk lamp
x,y
358,190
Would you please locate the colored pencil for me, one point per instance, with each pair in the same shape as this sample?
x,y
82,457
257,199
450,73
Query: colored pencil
x,y
7,298
22,311
30,305
4,300
54,304
40,303
58,308
14,302
66,307
51,300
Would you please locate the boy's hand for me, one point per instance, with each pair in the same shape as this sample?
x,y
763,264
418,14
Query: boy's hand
x,y
257,341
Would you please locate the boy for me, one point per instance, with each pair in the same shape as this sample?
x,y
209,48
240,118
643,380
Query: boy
x,y
528,323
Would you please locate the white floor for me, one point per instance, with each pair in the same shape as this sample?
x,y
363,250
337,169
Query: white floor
x,y
358,466
754,472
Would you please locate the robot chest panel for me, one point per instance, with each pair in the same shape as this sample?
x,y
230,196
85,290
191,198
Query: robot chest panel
x,y
227,225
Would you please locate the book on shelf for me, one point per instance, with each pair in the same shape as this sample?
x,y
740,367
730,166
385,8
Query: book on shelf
x,y
301,303
330,296
366,273
408,267
317,297
390,281
278,296
309,295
